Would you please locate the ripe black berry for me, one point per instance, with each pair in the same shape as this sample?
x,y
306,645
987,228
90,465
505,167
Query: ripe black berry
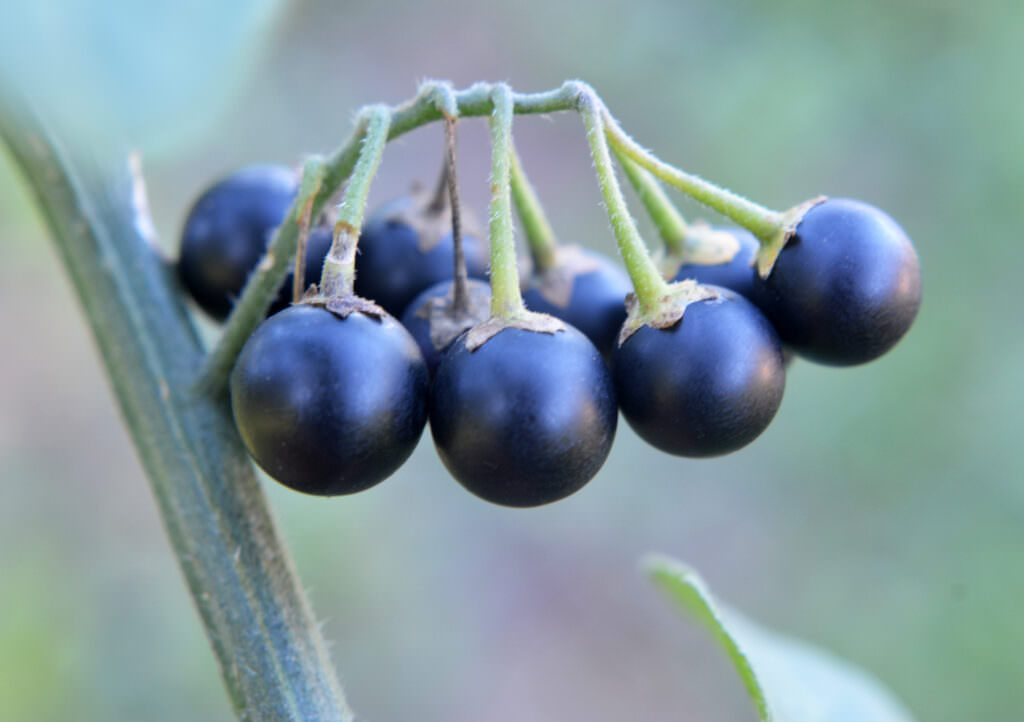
x,y
227,231
706,386
527,418
584,289
736,274
327,405
846,287
403,250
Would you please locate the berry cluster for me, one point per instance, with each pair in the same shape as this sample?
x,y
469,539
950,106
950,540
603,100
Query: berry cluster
x,y
522,381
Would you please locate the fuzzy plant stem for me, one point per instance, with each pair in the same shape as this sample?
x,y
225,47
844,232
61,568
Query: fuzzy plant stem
x,y
650,287
339,271
506,299
272,656
762,222
671,225
539,234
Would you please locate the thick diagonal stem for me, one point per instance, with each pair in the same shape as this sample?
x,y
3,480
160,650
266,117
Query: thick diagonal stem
x,y
272,657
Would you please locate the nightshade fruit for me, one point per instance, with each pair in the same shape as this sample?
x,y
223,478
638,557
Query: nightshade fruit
x,y
706,386
327,405
845,287
584,289
527,418
404,249
736,274
227,231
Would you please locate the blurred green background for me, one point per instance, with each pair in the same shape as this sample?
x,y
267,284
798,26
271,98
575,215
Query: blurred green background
x,y
881,516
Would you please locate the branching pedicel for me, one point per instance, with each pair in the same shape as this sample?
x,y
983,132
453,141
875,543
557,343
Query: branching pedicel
x,y
837,281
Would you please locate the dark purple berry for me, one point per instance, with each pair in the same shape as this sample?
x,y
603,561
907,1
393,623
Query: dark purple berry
x,y
327,405
706,386
846,287
227,231
527,418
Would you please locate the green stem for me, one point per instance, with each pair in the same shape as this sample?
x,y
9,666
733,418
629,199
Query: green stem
x,y
762,222
339,271
272,657
506,299
650,287
671,225
539,234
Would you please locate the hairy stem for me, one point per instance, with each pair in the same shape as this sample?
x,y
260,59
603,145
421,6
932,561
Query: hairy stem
x,y
339,271
650,287
671,225
506,300
762,222
539,234
272,657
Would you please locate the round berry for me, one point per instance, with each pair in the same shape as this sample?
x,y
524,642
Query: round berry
x,y
736,274
588,292
329,405
435,329
227,231
527,418
706,386
403,250
846,286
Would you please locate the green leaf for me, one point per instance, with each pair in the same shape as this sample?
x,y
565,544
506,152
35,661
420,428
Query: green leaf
x,y
788,680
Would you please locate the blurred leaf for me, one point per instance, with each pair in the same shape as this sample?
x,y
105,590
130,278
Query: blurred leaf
x,y
788,680
152,72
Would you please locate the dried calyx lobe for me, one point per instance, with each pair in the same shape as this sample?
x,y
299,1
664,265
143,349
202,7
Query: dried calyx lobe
x,y
435,323
846,286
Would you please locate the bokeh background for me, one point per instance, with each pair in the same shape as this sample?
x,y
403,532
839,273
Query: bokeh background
x,y
881,516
